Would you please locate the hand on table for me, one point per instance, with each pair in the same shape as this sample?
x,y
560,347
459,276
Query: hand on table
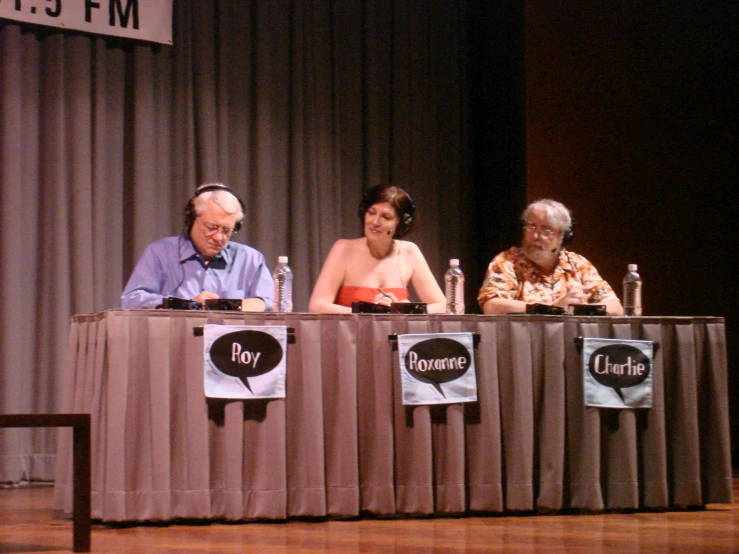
x,y
386,298
205,295
576,294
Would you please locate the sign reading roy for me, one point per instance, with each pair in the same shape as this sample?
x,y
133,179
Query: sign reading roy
x,y
243,361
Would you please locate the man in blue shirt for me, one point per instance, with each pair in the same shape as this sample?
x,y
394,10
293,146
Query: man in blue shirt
x,y
201,263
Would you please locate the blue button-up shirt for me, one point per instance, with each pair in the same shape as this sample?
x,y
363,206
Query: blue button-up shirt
x,y
172,267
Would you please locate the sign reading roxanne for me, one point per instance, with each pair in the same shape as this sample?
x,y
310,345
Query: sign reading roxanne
x,y
618,373
244,361
437,368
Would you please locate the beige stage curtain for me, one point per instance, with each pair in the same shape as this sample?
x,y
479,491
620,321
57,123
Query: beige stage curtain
x,y
296,105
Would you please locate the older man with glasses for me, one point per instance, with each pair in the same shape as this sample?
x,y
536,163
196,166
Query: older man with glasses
x,y
542,270
201,263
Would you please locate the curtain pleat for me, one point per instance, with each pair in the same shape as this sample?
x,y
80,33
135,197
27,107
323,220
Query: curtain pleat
x,y
298,106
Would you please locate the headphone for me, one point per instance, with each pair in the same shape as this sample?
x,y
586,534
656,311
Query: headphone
x,y
189,211
406,220
568,235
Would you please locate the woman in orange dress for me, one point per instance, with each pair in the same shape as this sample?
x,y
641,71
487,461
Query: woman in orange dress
x,y
379,266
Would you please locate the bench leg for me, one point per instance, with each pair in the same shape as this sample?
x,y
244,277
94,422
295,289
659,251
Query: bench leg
x,y
81,500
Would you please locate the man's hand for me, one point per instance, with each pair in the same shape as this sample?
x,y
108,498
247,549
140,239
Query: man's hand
x,y
252,305
576,294
205,295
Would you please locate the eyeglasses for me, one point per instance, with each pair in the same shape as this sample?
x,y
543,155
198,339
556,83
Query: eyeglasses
x,y
546,232
211,229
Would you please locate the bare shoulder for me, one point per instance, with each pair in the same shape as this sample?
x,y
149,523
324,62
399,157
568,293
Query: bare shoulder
x,y
344,246
409,248
343,252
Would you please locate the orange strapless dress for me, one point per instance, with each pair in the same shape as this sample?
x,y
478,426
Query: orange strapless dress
x,y
347,295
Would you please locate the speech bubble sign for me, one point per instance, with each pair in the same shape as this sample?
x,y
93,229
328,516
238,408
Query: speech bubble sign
x,y
246,353
438,360
619,366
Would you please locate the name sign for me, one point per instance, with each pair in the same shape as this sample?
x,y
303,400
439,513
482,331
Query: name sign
x,y
149,20
618,373
244,361
437,368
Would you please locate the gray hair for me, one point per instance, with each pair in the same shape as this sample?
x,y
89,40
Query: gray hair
x,y
224,198
556,213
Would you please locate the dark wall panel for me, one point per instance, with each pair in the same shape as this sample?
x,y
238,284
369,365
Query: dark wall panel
x,y
631,122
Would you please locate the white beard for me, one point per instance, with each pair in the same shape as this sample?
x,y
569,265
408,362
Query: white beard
x,y
539,255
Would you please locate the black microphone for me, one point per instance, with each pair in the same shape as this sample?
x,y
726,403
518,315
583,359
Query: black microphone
x,y
554,250
389,232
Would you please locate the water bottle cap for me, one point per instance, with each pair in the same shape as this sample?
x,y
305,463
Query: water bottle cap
x,y
454,262
632,267
282,259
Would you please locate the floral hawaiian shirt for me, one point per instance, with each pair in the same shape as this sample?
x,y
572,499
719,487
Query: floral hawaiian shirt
x,y
512,276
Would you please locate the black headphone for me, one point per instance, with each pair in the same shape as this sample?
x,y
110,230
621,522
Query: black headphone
x,y
406,220
568,235
189,211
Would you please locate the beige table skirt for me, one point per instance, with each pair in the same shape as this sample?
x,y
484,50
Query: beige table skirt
x,y
342,444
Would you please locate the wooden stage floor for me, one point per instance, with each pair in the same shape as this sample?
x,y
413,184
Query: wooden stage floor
x,y
27,526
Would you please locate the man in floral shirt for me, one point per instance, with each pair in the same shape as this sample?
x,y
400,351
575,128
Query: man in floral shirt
x,y
541,270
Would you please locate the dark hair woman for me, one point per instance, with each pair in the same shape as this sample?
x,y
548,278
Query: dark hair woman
x,y
379,266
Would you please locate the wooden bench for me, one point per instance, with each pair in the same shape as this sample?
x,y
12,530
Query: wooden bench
x,y
81,463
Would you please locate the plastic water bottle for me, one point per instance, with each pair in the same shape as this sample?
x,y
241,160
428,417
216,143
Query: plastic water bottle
x,y
454,288
283,276
632,291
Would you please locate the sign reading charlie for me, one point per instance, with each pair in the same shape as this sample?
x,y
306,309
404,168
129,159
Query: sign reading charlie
x,y
437,368
149,20
244,361
618,373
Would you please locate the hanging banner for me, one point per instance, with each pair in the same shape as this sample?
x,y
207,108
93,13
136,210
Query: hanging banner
x,y
244,361
437,368
149,20
618,373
